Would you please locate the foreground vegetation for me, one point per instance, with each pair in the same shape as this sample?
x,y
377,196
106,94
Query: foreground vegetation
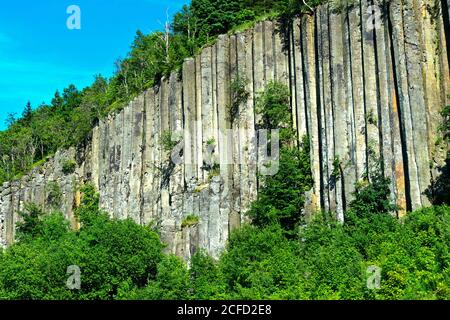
x,y
324,260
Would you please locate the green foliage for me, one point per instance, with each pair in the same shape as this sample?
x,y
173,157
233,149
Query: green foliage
x,y
342,5
239,95
204,277
33,224
68,166
168,141
328,260
274,105
336,168
213,171
211,142
111,254
445,126
89,205
171,283
372,194
439,191
189,221
54,195
281,197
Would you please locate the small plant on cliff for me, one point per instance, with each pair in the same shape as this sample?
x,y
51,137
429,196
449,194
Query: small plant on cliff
x,y
214,171
169,141
445,126
189,221
211,142
336,168
340,6
68,166
54,195
239,95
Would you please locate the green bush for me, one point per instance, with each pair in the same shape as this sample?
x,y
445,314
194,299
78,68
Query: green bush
x,y
168,141
239,95
189,221
54,195
372,195
111,255
69,166
281,197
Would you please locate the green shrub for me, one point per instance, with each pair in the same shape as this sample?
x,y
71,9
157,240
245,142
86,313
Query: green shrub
x,y
111,255
239,95
168,141
189,221
69,166
372,195
54,195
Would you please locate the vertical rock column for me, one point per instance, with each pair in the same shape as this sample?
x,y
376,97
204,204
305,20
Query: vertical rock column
x,y
204,133
110,151
360,147
137,136
398,43
190,205
235,147
388,121
308,40
168,224
126,163
250,118
225,143
117,166
5,215
149,186
102,149
95,151
370,83
190,134
326,109
339,111
246,121
349,167
435,74
176,181
156,156
419,124
297,72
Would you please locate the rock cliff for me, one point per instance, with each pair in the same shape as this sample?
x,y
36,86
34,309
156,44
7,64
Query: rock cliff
x,y
359,91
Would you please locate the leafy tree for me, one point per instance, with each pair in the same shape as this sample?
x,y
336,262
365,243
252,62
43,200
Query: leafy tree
x,y
372,195
30,225
27,113
281,198
111,255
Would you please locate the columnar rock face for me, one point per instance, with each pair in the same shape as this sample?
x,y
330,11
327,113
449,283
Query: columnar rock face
x,y
360,91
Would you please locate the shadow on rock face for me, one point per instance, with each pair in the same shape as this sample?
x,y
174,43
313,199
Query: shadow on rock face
x,y
439,191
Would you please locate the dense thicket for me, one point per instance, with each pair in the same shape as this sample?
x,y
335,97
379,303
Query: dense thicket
x,y
68,119
111,255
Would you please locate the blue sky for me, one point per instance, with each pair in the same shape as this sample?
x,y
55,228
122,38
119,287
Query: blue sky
x,y
39,54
